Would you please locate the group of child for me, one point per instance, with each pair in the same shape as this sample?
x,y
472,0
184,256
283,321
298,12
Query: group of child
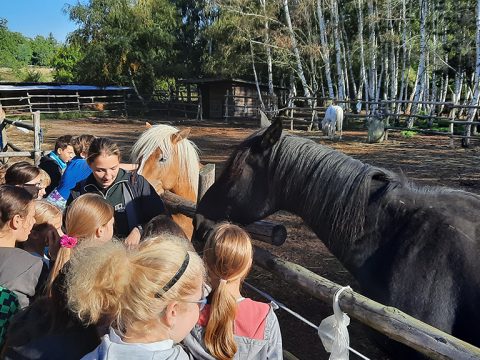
x,y
98,269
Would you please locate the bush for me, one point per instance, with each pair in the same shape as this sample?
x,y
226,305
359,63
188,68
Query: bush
x,y
408,133
32,76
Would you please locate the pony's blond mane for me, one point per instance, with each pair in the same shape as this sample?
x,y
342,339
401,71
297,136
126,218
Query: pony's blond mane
x,y
159,136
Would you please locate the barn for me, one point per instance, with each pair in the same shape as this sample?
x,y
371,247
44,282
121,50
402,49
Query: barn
x,y
231,98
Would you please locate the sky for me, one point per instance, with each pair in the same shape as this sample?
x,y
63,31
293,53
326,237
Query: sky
x,y
37,17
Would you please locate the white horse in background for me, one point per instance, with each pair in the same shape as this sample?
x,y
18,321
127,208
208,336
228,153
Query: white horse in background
x,y
333,121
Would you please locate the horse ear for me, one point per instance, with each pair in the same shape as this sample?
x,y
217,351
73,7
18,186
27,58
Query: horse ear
x,y
148,125
180,135
272,134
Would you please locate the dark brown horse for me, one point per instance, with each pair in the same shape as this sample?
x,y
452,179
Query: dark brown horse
x,y
413,247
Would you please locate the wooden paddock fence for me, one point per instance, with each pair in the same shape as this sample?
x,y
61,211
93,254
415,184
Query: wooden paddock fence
x,y
388,320
64,103
304,112
36,152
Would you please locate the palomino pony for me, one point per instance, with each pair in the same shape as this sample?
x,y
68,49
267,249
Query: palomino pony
x,y
413,247
332,121
169,161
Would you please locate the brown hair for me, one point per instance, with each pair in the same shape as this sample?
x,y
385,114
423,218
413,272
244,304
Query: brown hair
x,y
163,224
62,142
228,256
20,173
102,146
83,217
81,143
14,200
125,285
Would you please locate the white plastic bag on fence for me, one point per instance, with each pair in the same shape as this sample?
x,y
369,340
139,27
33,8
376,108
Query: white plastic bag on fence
x,y
333,331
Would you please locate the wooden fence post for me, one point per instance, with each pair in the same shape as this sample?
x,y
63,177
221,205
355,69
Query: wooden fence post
x,y
29,103
37,146
205,180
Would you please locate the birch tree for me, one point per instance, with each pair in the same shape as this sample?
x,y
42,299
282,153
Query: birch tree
x,y
421,62
475,99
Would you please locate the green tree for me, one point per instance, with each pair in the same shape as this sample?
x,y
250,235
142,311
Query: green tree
x,y
43,50
125,42
65,61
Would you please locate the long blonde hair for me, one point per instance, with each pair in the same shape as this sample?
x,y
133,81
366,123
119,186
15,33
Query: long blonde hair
x,y
45,212
83,217
126,285
228,256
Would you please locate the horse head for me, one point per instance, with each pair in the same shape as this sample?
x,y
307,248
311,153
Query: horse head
x,y
242,192
167,159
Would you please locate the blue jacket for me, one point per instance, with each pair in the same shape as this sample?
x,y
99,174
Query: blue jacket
x,y
76,171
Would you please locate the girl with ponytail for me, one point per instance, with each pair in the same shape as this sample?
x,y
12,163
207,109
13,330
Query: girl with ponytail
x,y
153,293
231,326
88,219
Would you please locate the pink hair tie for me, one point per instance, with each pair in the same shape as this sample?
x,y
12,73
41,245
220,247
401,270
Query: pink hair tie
x,y
68,241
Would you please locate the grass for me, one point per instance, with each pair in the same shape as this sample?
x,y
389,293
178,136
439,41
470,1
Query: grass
x,y
408,133
19,75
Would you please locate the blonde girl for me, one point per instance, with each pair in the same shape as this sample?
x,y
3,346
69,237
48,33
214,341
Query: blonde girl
x,y
153,293
89,218
231,326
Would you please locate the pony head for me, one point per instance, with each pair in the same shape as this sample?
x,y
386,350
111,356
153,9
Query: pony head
x,y
168,159
242,193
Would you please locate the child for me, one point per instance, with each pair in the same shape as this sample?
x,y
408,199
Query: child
x,y
153,293
76,171
133,198
231,326
163,224
56,161
28,176
19,270
89,218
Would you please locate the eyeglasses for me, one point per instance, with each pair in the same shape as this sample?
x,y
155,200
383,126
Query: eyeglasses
x,y
201,303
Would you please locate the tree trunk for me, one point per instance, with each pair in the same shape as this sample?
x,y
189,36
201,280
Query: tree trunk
x,y
422,61
338,53
271,94
325,49
373,53
262,105
363,71
296,52
476,95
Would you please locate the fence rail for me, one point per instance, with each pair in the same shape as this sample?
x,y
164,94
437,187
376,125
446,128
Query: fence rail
x,y
36,152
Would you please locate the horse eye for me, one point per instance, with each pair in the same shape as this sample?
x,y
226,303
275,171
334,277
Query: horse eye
x,y
162,159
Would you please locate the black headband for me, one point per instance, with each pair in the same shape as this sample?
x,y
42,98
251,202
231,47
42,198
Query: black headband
x,y
176,277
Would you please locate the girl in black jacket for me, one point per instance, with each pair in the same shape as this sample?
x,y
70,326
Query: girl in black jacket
x,y
134,200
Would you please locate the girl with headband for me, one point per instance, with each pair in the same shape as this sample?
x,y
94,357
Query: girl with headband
x,y
153,293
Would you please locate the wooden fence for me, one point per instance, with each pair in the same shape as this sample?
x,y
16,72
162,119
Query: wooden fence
x,y
36,153
305,112
387,320
54,103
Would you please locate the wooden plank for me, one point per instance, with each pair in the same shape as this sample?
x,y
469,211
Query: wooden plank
x,y
16,154
37,145
388,320
264,231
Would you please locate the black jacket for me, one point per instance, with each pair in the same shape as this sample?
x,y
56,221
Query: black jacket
x,y
53,170
133,198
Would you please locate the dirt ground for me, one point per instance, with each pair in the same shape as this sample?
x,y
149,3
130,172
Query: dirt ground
x,y
425,159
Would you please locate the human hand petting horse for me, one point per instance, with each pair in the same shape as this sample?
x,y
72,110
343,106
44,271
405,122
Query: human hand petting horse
x,y
409,246
169,161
